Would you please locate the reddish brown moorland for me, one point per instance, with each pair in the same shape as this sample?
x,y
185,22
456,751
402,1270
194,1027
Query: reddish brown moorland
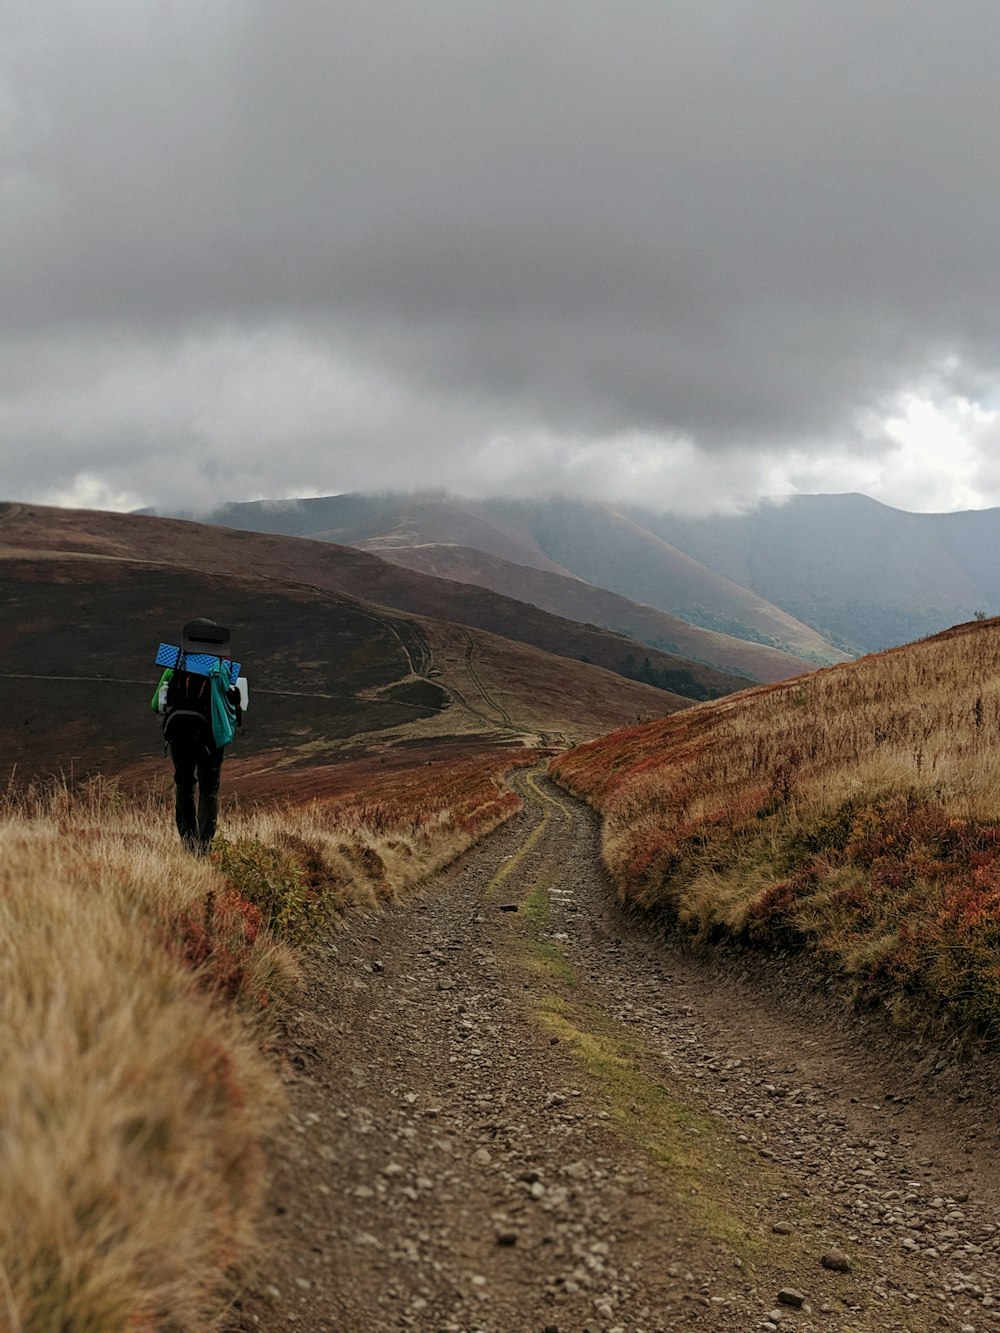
x,y
89,596
853,814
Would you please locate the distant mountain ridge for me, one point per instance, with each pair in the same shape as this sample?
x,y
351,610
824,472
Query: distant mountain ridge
x,y
591,542
821,577
377,521
864,573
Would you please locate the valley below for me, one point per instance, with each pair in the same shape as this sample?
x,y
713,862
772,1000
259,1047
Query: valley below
x,y
514,1107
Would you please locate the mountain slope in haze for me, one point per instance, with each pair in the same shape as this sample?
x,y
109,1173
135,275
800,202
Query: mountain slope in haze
x,y
613,551
88,596
580,601
859,570
589,541
972,538
378,521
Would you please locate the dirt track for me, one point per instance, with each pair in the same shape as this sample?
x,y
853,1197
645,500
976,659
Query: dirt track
x,y
544,1119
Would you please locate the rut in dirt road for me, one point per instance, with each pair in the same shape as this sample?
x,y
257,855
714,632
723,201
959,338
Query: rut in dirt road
x,y
514,1110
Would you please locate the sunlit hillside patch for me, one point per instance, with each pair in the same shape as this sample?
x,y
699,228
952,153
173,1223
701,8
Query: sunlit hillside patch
x,y
854,812
140,985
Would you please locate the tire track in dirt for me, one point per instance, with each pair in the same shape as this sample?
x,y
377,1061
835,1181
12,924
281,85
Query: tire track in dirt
x,y
497,718
414,643
486,709
513,1109
485,695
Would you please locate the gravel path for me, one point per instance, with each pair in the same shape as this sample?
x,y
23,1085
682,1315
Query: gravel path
x,y
513,1109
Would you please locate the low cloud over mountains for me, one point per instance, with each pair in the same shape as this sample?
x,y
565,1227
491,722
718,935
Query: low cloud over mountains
x,y
677,253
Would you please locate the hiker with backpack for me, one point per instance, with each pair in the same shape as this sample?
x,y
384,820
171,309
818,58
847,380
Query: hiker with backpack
x,y
201,706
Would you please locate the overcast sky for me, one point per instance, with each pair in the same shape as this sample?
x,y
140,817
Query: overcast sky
x,y
683,251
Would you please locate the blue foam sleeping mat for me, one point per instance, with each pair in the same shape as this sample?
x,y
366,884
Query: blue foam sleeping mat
x,y
200,664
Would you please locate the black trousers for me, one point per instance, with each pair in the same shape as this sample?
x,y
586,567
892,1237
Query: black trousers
x,y
196,763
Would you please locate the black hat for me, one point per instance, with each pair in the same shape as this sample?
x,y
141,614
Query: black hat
x,y
205,636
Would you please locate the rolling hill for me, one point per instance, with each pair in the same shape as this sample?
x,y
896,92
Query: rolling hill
x,y
90,595
360,574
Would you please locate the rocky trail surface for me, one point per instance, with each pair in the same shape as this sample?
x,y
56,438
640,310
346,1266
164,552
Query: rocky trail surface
x,y
514,1109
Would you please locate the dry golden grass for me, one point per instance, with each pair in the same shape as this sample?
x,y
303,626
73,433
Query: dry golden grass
x,y
924,717
136,988
855,811
132,1107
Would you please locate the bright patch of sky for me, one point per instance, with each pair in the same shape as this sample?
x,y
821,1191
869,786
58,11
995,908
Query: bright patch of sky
x,y
926,457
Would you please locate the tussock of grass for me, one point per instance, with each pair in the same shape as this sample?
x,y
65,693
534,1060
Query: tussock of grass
x,y
131,1106
135,988
854,812
305,865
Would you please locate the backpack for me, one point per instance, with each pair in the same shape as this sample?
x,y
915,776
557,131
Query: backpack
x,y
192,702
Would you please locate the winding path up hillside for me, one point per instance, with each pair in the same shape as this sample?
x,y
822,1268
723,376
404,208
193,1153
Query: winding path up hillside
x,y
512,1109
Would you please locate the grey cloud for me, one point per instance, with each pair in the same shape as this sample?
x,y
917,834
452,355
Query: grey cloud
x,y
742,222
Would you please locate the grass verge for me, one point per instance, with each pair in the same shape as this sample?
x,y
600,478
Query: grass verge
x,y
139,987
851,814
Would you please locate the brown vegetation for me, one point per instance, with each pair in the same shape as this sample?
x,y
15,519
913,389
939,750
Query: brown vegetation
x,y
136,1014
853,812
90,596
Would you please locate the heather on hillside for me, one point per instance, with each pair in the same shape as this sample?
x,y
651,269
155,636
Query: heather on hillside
x,y
136,1019
854,812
